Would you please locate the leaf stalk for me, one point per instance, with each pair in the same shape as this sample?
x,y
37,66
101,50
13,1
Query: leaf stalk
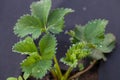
x,y
82,72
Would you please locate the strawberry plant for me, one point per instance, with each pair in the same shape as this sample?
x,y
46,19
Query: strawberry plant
x,y
42,25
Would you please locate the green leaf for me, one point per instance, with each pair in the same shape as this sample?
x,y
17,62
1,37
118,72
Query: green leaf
x,y
55,19
48,46
80,66
70,60
57,28
41,10
97,54
20,78
77,34
75,53
26,46
41,68
25,76
108,44
35,66
11,78
31,60
94,31
28,25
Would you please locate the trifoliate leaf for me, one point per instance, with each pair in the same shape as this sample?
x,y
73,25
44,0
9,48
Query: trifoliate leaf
x,y
75,53
93,34
48,46
108,44
55,19
11,78
97,54
94,31
28,25
35,66
26,46
41,10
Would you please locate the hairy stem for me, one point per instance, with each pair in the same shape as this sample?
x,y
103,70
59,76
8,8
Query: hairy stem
x,y
85,70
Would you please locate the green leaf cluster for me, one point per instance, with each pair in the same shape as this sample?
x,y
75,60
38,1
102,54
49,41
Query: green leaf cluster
x,y
76,53
39,60
41,22
94,33
42,19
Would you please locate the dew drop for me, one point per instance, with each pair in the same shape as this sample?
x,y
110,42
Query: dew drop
x,y
84,8
38,71
100,46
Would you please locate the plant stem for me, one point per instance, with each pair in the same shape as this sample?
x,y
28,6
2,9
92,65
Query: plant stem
x,y
85,70
57,68
53,74
67,73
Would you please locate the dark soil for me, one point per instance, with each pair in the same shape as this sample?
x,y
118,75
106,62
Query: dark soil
x,y
90,75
